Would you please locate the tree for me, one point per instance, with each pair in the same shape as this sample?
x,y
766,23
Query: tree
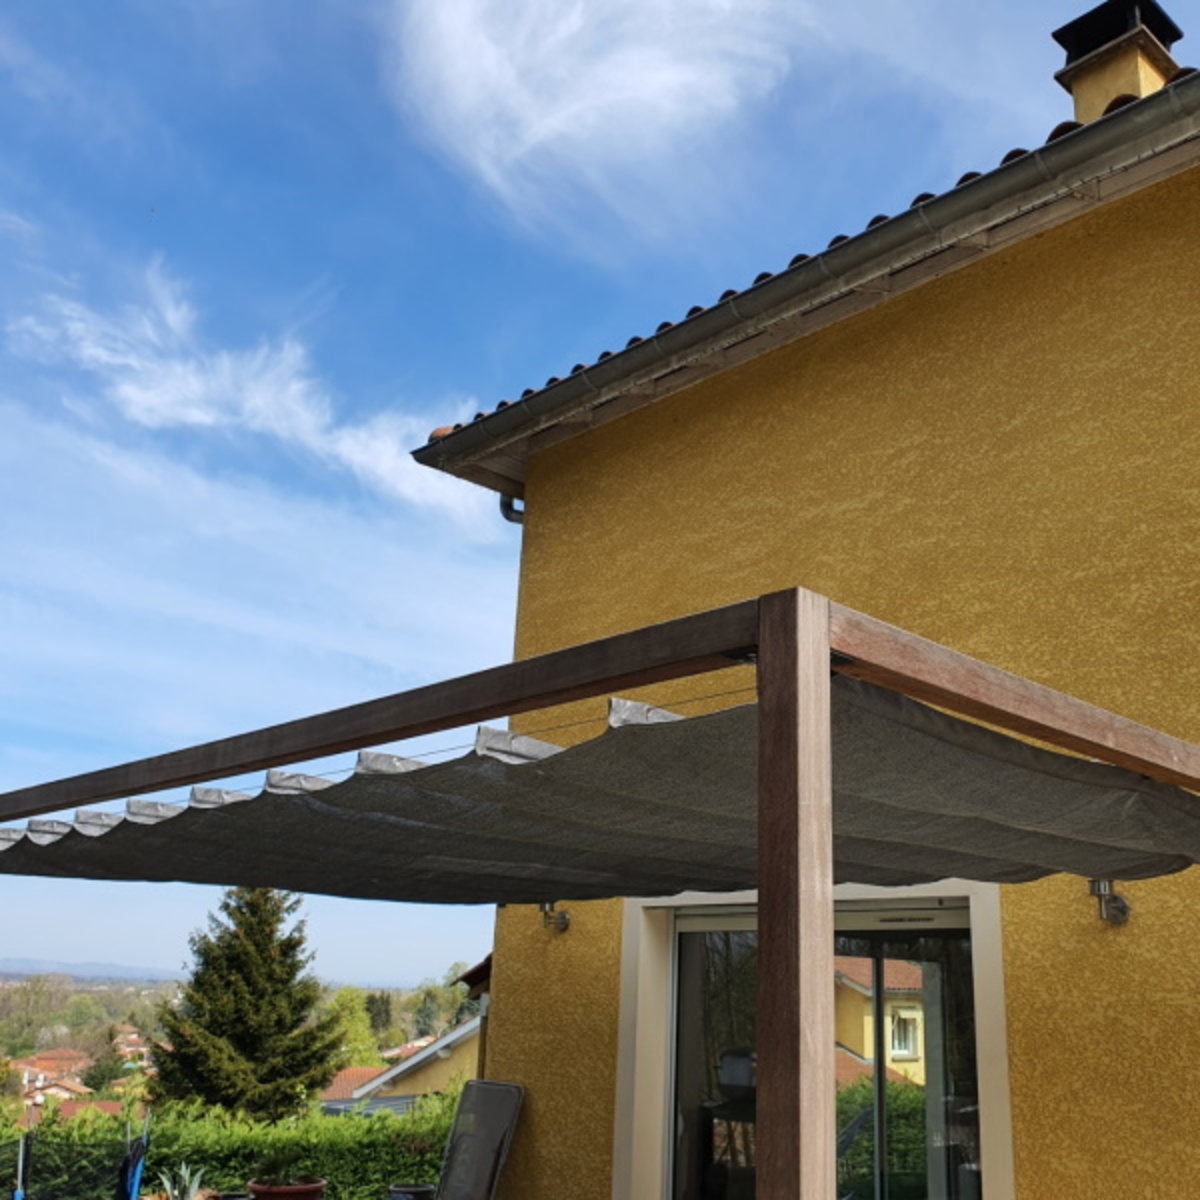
x,y
379,1009
358,1045
107,1068
243,1033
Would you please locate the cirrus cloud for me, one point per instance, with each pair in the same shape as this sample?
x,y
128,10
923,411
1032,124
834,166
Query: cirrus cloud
x,y
156,368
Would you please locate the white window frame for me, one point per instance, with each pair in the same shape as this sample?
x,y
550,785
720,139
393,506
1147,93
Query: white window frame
x,y
645,1049
908,1048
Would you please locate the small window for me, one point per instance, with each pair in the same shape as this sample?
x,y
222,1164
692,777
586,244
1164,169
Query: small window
x,y
905,1036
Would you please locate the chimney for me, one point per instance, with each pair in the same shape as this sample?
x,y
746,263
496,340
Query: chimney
x,y
1118,52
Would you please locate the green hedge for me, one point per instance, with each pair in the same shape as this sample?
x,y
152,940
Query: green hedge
x,y
360,1156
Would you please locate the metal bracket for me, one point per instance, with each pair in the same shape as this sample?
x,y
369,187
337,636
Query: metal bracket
x,y
1114,909
560,922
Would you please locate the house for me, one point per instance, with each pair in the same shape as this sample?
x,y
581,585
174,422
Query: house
x,y
975,420
338,1096
882,492
453,1056
903,1007
436,1066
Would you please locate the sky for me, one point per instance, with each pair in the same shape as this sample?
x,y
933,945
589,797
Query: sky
x,y
252,252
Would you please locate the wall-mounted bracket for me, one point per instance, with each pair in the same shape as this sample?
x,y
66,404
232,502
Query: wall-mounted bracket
x,y
560,922
1114,909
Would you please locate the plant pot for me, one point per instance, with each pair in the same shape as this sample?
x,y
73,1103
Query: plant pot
x,y
288,1191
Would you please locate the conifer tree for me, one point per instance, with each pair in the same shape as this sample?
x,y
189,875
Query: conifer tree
x,y
243,1034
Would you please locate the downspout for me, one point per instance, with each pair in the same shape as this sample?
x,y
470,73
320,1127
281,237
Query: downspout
x,y
510,512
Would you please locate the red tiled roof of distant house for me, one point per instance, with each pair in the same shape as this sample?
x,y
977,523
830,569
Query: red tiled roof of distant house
x,y
850,1068
898,976
72,1108
347,1080
409,1048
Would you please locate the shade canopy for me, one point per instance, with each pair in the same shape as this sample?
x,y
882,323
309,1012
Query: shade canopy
x,y
655,805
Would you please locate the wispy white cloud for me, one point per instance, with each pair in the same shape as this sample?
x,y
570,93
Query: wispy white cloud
x,y
540,96
102,111
147,606
17,228
154,365
145,602
639,107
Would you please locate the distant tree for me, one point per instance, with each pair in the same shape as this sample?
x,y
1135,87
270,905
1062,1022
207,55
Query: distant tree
x,y
83,1011
379,1010
243,1033
427,1018
458,1001
358,1048
106,1069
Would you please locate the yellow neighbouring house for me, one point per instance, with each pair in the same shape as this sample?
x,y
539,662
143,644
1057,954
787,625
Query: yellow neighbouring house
x,y
977,420
453,1058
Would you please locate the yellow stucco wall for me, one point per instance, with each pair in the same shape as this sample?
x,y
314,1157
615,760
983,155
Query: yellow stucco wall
x,y
438,1074
1004,461
853,1027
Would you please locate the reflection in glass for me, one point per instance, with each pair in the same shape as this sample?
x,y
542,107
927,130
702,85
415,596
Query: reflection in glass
x,y
907,1106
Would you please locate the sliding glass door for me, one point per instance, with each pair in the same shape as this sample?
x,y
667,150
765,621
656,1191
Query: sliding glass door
x,y
907,1101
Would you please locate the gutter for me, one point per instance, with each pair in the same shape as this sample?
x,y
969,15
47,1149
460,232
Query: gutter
x,y
1070,166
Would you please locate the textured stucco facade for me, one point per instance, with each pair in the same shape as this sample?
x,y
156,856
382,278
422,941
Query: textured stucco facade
x,y
1004,461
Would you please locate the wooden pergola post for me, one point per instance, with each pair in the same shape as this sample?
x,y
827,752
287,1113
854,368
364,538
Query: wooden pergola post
x,y
796,1132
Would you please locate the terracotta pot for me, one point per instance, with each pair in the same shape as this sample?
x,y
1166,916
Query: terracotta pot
x,y
288,1191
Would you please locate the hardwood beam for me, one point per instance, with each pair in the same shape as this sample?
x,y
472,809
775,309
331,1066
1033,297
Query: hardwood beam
x,y
690,645
892,658
796,1131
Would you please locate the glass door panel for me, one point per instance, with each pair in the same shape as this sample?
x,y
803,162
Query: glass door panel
x,y
907,1103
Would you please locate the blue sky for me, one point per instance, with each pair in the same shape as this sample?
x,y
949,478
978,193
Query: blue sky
x,y
251,252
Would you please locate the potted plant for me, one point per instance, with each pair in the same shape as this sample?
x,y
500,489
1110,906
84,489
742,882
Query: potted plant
x,y
279,1176
182,1183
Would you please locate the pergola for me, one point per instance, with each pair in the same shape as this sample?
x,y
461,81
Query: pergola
x,y
799,641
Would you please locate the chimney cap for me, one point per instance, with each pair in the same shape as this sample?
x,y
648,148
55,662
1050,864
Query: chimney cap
x,y
1112,20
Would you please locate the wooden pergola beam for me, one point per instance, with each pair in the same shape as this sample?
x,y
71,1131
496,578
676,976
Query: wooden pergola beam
x,y
797,1084
708,641
903,662
692,645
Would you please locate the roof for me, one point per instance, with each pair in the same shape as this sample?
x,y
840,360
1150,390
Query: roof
x,y
477,978
437,1049
898,976
850,1068
344,1083
984,212
656,805
409,1048
371,1107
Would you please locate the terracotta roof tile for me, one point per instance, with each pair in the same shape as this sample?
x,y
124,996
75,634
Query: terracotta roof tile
x,y
897,976
849,1068
347,1080
1061,130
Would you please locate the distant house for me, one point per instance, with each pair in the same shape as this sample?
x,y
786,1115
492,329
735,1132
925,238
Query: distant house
x,y
903,1012
453,1056
51,1065
409,1048
344,1083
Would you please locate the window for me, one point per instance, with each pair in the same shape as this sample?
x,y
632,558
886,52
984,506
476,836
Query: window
x,y
906,1034
907,1113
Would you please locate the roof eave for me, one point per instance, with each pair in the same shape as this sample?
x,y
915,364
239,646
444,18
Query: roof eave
x,y
1054,172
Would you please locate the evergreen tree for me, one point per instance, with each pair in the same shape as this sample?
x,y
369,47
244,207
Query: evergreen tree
x,y
379,1009
243,1034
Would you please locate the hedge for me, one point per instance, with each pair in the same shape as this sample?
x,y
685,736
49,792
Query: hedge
x,y
359,1155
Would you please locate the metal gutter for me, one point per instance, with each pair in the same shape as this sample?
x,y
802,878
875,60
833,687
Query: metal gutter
x,y
1065,168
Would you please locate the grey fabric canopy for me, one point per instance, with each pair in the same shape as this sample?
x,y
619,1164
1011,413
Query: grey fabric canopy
x,y
654,806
